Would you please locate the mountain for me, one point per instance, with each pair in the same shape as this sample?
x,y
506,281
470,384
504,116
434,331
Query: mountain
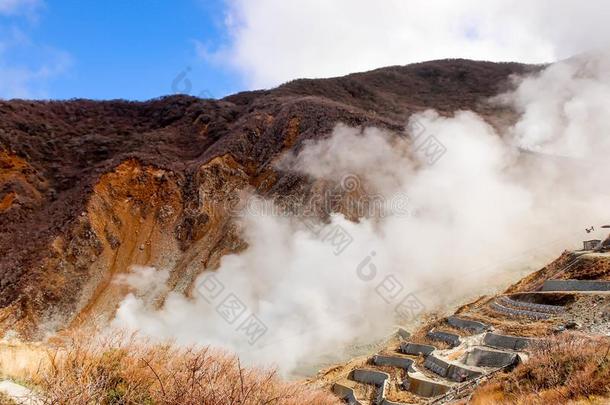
x,y
89,188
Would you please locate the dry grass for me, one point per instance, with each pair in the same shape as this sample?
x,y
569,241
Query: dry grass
x,y
132,371
6,400
566,369
18,361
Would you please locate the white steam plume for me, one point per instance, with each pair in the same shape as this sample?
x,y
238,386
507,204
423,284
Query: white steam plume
x,y
481,215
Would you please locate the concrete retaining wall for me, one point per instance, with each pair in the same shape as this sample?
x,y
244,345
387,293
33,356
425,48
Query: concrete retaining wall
x,y
403,333
507,342
416,349
490,358
575,285
423,387
393,361
438,366
452,372
590,244
370,376
518,312
552,309
460,374
449,338
346,393
460,323
380,380
552,298
382,392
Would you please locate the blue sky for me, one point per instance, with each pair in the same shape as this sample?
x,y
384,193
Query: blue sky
x,y
130,49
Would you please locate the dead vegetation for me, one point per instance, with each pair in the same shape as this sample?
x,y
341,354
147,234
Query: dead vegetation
x,y
6,400
131,371
569,368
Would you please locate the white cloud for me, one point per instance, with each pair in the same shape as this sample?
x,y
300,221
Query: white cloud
x,y
30,78
273,41
26,67
20,7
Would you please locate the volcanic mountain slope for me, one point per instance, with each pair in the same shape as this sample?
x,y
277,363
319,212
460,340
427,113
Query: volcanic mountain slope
x,y
88,189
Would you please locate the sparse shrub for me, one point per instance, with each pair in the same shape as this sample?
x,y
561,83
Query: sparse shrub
x,y
560,370
122,371
6,400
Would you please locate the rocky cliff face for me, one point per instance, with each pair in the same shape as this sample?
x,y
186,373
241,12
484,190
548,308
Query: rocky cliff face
x,y
88,189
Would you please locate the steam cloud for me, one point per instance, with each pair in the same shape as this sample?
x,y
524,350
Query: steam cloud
x,y
483,214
